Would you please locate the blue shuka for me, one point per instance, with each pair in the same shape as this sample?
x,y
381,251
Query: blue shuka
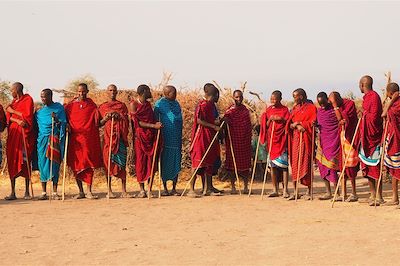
x,y
43,120
169,113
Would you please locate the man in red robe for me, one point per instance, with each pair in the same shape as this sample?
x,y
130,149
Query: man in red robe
x,y
21,138
118,112
205,126
301,122
392,156
274,119
238,119
146,128
84,150
346,113
371,130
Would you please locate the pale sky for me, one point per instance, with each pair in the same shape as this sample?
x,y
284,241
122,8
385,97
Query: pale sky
x,y
271,45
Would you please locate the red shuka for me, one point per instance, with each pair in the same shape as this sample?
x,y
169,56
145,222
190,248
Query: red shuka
x,y
15,143
306,114
144,141
84,150
349,114
120,133
202,136
238,119
371,127
279,139
371,130
394,135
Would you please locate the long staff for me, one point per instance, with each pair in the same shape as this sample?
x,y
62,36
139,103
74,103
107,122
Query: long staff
x,y
298,165
27,162
312,161
51,158
268,157
343,156
345,162
109,158
233,157
202,159
159,176
65,165
153,163
254,165
382,161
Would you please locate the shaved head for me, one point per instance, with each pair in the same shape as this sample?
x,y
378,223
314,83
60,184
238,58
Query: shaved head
x,y
210,89
366,83
170,92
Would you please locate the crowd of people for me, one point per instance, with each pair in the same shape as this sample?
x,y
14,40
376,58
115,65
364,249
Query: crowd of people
x,y
336,136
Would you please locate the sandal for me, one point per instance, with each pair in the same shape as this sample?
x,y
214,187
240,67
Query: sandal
x,y
273,195
89,195
126,196
55,196
192,194
79,196
391,203
165,194
352,198
10,197
174,193
142,194
325,197
43,196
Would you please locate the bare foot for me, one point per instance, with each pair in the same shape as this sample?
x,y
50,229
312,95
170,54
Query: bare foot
x,y
165,193
192,194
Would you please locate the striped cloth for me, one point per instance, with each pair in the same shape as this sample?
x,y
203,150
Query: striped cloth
x,y
353,159
373,159
282,161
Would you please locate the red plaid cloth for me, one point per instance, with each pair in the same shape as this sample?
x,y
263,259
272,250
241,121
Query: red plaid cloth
x,y
306,114
238,119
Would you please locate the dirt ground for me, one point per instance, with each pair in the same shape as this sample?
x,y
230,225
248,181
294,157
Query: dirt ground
x,y
226,230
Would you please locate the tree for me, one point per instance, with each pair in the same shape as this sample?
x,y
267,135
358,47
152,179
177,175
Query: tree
x,y
71,88
5,92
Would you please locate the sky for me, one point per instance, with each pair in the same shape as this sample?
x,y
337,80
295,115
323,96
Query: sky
x,y
319,46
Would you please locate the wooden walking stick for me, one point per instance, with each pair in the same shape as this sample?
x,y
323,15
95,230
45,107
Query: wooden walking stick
x,y
233,157
27,162
254,165
159,176
153,164
343,156
298,165
382,161
345,161
51,159
65,166
202,159
312,161
268,156
109,158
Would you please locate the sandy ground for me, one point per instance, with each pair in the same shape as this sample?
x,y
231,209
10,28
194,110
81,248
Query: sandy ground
x,y
227,230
